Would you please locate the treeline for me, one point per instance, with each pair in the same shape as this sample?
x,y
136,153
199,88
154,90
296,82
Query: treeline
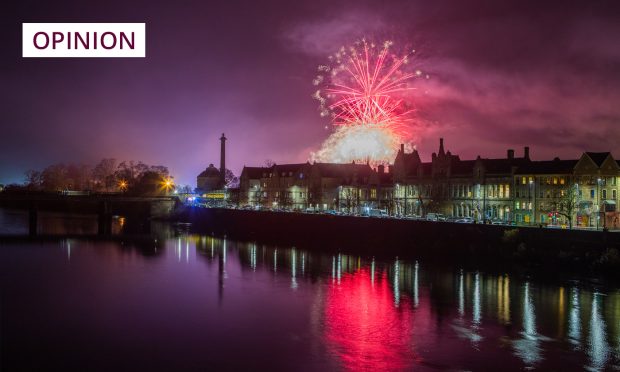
x,y
107,176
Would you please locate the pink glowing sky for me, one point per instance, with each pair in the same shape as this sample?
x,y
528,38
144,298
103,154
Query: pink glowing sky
x,y
503,75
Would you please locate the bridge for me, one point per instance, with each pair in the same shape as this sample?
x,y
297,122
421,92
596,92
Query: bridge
x,y
105,206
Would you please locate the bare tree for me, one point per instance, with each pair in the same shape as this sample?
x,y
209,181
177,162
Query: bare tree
x,y
230,180
285,199
33,179
103,174
565,203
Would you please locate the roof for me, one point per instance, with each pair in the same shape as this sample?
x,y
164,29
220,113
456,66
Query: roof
x,y
211,171
462,167
253,172
555,166
286,168
598,157
427,169
334,170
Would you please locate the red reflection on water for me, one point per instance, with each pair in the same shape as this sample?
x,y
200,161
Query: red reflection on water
x,y
364,327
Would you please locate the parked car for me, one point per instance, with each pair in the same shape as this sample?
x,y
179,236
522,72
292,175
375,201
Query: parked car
x,y
373,212
435,217
465,220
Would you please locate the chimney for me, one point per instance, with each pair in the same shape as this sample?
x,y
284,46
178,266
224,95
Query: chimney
x,y
511,154
381,168
402,148
223,160
526,153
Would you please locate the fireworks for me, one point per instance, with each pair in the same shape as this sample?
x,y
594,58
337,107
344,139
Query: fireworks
x,y
363,90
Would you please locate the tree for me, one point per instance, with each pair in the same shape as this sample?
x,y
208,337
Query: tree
x,y
565,202
285,199
149,184
53,177
103,174
269,163
230,180
33,179
348,197
259,196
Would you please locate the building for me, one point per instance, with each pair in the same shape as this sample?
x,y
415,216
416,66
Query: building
x,y
317,186
513,189
211,183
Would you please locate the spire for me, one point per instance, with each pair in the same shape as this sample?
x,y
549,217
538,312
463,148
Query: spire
x,y
441,151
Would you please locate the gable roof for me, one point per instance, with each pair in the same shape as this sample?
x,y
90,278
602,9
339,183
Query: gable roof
x,y
598,157
253,172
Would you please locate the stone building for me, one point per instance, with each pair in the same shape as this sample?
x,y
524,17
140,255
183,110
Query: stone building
x,y
317,186
512,189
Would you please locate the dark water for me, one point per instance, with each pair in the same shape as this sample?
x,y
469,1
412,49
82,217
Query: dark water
x,y
181,302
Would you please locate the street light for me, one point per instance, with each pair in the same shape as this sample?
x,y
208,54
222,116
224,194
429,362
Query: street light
x,y
532,208
598,203
167,184
122,185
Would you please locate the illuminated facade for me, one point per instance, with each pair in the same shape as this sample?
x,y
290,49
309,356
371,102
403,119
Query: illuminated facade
x,y
583,192
515,189
317,186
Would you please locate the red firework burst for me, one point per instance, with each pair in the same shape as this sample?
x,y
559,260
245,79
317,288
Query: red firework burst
x,y
365,86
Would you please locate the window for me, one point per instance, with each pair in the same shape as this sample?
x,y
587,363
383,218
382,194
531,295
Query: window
x,y
523,180
373,193
591,193
604,194
531,180
613,194
555,180
561,180
507,192
301,194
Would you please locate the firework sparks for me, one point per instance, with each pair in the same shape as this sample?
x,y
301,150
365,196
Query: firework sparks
x,y
362,90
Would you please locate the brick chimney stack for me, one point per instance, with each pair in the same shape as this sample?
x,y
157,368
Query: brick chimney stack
x,y
510,154
526,152
223,160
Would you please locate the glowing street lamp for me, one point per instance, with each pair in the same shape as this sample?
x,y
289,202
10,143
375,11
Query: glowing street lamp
x,y
167,184
122,185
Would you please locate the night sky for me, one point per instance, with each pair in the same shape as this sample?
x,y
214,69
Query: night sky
x,y
504,74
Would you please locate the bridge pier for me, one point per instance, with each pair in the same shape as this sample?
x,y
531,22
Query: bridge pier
x,y
104,220
33,219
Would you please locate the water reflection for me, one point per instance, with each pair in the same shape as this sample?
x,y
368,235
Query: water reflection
x,y
528,346
597,338
367,313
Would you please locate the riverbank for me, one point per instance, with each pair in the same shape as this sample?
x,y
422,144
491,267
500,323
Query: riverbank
x,y
586,252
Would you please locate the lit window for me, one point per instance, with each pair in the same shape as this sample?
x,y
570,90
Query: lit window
x,y
523,180
555,180
561,180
